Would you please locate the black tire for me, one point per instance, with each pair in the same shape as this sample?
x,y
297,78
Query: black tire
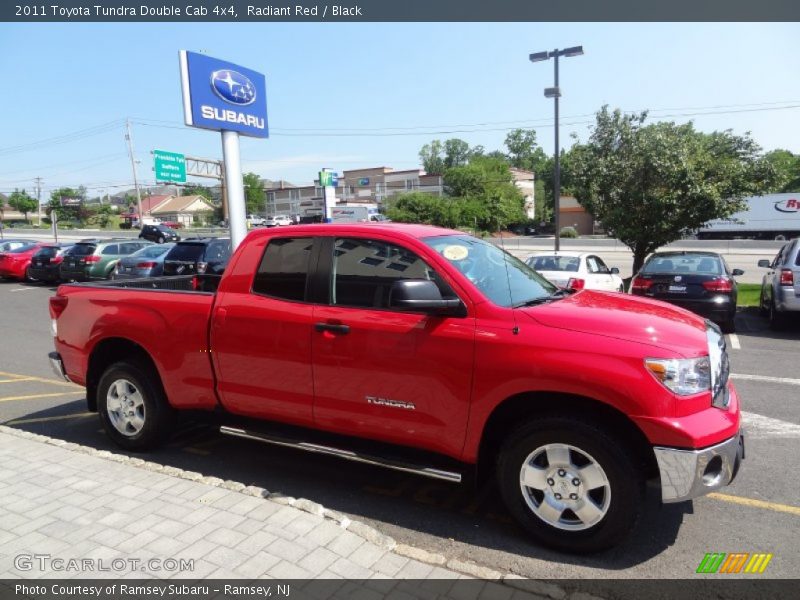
x,y
625,484
158,417
762,304
728,326
777,320
28,277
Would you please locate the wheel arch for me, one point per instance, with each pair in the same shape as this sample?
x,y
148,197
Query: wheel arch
x,y
523,407
107,352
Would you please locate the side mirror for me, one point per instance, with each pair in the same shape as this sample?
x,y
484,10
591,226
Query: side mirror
x,y
422,295
614,271
764,263
737,272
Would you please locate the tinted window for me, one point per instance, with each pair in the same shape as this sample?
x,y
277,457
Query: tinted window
x,y
284,268
82,250
188,252
555,263
153,251
680,263
364,271
47,252
218,251
110,250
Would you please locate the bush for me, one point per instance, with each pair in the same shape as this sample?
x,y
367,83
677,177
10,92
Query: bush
x,y
568,232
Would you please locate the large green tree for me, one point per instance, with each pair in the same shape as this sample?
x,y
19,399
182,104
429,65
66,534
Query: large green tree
x,y
66,212
432,157
787,170
20,201
195,189
254,195
650,184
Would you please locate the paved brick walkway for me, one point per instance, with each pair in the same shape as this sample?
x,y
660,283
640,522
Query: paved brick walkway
x,y
65,501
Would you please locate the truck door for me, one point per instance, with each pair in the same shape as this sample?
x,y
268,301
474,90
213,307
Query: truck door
x,y
261,334
380,373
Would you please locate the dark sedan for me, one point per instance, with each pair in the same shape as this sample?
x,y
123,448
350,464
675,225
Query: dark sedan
x,y
697,281
147,262
46,263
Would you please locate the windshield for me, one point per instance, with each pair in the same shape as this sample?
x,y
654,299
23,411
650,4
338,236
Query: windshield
x,y
504,279
681,263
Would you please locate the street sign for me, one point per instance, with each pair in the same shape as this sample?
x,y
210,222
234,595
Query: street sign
x,y
170,167
220,95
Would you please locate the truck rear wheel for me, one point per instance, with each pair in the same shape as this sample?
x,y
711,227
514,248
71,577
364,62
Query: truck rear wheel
x,y
572,486
132,406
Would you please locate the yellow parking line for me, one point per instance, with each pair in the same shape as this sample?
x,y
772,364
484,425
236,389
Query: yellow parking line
x,y
753,503
16,380
46,419
40,379
35,396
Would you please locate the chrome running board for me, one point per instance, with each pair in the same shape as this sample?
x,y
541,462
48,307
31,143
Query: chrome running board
x,y
395,465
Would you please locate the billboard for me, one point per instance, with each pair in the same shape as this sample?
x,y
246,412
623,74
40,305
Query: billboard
x,y
220,95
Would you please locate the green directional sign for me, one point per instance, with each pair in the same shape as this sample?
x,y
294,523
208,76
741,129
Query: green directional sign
x,y
170,167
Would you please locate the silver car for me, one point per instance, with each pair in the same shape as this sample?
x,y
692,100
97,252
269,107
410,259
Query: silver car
x,y
780,287
147,262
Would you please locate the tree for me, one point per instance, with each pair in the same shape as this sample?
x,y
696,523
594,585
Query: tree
x,y
254,197
523,150
65,212
22,202
456,153
787,170
195,189
431,157
650,184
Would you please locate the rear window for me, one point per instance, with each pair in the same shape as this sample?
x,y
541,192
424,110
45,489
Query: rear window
x,y
153,251
47,252
555,263
697,265
187,252
218,251
21,249
82,249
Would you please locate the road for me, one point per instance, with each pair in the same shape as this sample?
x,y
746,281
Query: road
x,y
760,512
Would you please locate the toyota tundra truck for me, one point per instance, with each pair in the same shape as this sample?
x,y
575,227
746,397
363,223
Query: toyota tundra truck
x,y
424,350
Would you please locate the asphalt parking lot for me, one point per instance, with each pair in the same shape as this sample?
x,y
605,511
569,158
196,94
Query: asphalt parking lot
x,y
760,512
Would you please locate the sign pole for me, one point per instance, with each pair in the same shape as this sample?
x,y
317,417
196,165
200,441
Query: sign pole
x,y
237,220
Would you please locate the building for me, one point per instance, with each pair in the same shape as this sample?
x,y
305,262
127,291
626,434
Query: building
x,y
572,214
183,209
526,183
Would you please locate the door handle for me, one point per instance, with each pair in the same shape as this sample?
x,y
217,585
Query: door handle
x,y
332,327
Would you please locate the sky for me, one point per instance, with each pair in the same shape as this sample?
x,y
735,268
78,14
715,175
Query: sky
x,y
350,95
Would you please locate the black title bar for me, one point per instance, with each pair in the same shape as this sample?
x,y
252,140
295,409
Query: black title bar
x,y
397,10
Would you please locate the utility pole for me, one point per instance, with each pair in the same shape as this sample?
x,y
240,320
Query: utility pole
x,y
133,166
38,181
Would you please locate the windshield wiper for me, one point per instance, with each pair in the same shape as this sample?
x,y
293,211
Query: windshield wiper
x,y
557,295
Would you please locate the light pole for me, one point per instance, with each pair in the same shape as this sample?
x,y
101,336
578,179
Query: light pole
x,y
555,93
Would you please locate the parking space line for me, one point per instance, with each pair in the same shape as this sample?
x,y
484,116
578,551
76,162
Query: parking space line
x,y
744,377
753,503
39,379
48,419
35,396
734,341
22,289
16,380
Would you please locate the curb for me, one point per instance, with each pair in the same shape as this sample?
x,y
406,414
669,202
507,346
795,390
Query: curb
x,y
362,530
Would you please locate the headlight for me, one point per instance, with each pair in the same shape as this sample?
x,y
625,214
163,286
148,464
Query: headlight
x,y
684,376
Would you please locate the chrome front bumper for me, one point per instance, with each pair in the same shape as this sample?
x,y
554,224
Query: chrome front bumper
x,y
686,474
57,364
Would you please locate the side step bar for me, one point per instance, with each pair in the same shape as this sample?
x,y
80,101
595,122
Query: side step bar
x,y
346,454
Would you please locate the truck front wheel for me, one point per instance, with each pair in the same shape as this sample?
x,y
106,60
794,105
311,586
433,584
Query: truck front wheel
x,y
572,486
132,406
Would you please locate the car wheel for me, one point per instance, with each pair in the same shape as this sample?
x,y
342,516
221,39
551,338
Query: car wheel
x,y
28,276
728,326
161,239
570,485
132,406
762,304
777,321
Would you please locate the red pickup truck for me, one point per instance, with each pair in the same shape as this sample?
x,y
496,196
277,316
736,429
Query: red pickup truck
x,y
425,350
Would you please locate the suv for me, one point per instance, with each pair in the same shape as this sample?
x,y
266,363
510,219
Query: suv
x,y
96,259
46,263
780,287
201,255
159,233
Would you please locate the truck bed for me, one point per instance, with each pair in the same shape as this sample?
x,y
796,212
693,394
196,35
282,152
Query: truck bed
x,y
179,283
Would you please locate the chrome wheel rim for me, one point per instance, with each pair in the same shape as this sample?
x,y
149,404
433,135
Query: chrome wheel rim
x,y
565,487
125,407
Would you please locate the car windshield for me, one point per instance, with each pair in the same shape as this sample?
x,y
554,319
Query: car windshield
x,y
164,228
684,263
554,263
504,279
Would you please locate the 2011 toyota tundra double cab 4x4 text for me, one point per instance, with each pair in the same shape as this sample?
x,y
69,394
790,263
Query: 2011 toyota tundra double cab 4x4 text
x,y
425,350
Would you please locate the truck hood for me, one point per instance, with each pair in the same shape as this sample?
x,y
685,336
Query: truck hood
x,y
626,317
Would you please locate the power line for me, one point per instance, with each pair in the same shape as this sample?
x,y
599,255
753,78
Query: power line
x,y
62,139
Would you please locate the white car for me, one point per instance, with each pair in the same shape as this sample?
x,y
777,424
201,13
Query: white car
x,y
576,270
279,221
255,221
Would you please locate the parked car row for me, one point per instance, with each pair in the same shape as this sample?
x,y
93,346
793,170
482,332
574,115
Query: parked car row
x,y
113,258
274,221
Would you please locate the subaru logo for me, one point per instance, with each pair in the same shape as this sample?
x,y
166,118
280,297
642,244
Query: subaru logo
x,y
233,87
678,278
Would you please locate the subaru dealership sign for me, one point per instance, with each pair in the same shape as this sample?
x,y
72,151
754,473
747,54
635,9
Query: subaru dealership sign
x,y
221,96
